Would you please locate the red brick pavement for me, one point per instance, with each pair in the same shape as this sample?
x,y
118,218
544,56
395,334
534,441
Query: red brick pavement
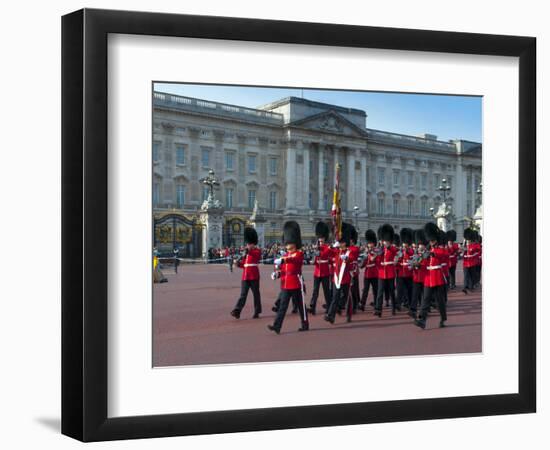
x,y
192,325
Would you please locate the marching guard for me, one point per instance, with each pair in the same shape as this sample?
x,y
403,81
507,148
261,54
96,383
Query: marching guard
x,y
370,264
290,273
386,270
404,277
250,279
434,280
418,262
454,252
471,260
355,254
342,275
321,272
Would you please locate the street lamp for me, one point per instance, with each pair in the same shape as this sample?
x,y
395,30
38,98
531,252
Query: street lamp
x,y
444,188
355,214
211,181
432,210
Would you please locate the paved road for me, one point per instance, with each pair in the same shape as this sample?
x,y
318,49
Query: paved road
x,y
192,325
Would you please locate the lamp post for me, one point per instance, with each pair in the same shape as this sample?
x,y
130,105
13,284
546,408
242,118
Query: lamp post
x,y
355,214
444,188
211,181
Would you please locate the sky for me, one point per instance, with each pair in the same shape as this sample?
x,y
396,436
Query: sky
x,y
446,116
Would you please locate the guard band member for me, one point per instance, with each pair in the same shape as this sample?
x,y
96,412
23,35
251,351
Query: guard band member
x,y
354,272
292,286
370,264
419,263
454,251
251,275
321,273
471,255
386,270
434,279
404,278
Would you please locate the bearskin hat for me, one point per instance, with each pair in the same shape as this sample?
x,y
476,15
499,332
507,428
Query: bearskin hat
x,y
396,239
291,234
321,230
250,236
477,237
419,237
431,231
386,233
370,237
406,235
451,235
469,234
353,235
379,233
346,233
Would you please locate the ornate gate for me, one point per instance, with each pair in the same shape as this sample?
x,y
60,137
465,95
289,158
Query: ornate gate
x,y
233,230
174,231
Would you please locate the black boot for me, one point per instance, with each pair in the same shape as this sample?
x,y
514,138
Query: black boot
x,y
420,323
304,328
236,314
311,310
272,328
256,315
442,324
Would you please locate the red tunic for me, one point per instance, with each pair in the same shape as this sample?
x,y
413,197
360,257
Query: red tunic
x,y
405,270
419,273
471,256
250,263
322,262
386,268
371,264
453,250
434,276
354,256
291,268
339,262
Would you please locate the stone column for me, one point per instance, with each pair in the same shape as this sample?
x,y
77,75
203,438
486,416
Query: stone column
x,y
321,178
459,194
290,192
211,217
350,184
306,175
363,206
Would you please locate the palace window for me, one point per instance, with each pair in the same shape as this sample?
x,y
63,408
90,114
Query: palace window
x,y
367,175
205,192
381,176
310,168
272,166
180,195
156,151
229,198
410,206
395,206
325,168
251,198
424,207
273,200
251,163
410,178
205,157
325,202
469,208
156,194
380,206
180,155
469,184
396,177
424,181
229,160
310,201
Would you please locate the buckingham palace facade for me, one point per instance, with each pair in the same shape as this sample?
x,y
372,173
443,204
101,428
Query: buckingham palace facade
x,y
283,155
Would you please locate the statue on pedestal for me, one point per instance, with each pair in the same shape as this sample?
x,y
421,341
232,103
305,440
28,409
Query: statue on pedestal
x,y
443,217
211,216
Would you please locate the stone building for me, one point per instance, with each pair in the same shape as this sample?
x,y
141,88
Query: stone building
x,y
283,155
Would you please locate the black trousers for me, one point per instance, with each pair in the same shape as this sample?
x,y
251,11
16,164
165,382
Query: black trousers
x,y
317,282
432,294
469,277
452,277
339,297
386,287
404,290
254,286
355,292
369,283
477,272
284,298
416,298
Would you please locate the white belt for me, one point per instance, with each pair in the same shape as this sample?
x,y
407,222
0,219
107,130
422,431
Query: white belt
x,y
322,261
388,263
370,265
405,264
251,265
470,256
443,264
433,267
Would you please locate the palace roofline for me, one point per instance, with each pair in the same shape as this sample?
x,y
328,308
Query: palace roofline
x,y
313,103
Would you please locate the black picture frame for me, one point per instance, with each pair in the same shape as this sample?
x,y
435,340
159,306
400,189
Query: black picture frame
x,y
84,224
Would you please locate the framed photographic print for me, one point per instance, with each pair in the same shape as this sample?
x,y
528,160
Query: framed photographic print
x,y
273,224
